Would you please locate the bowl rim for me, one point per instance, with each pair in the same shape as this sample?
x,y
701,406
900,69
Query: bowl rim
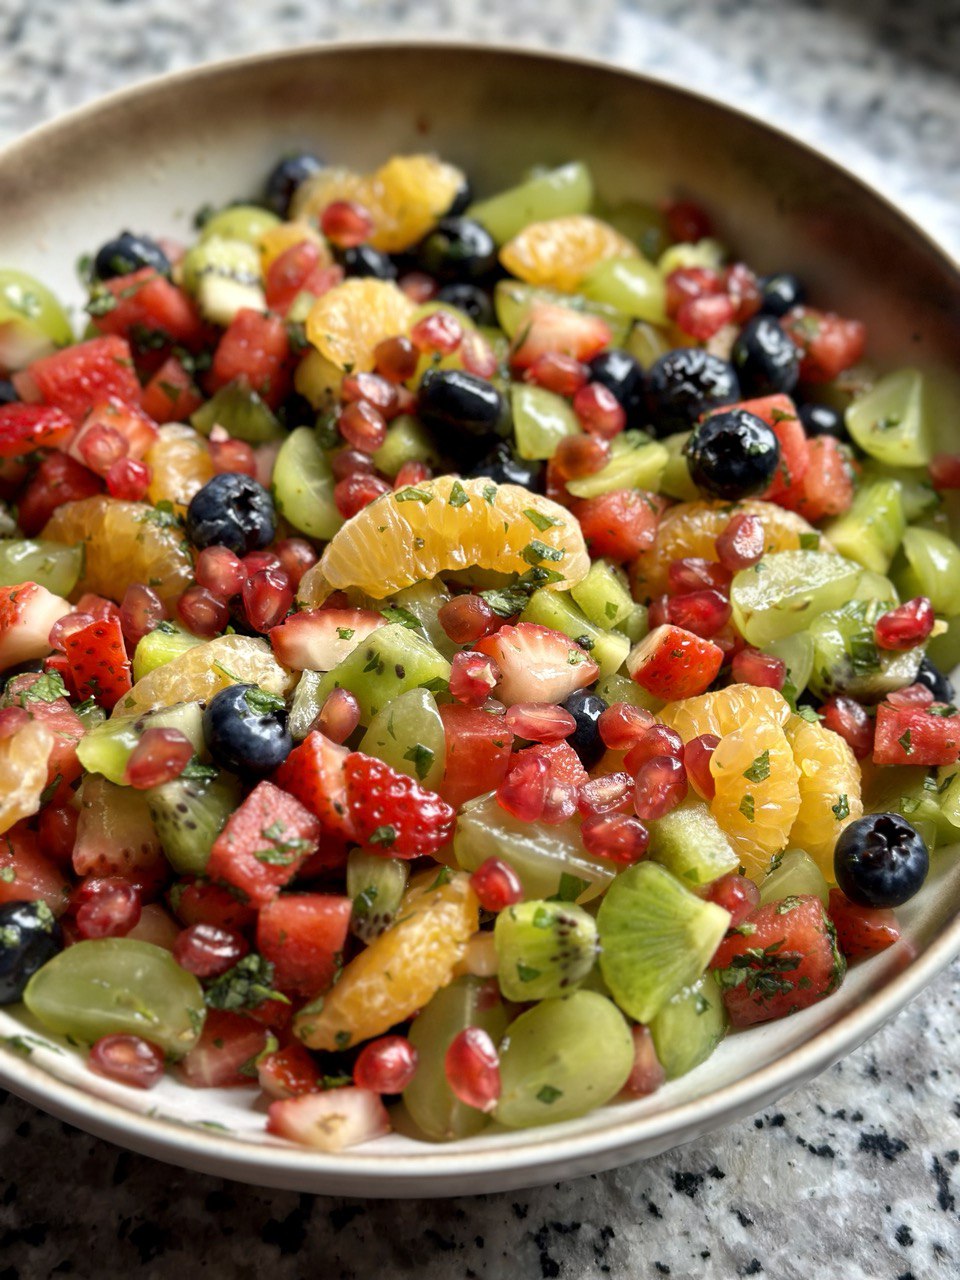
x,y
443,1169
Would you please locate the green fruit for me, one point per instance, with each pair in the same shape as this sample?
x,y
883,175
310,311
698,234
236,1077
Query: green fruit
x,y
408,735
892,421
118,986
636,462
106,748
655,937
646,343
513,301
164,643
553,194
466,1002
561,1059
224,276
375,885
690,843
241,412
246,222
796,654
689,1027
53,565
390,661
188,814
633,286
305,705
783,592
540,420
870,532
32,321
604,595
303,486
423,600
930,567
636,625
916,491
618,688
676,481
557,610
846,658
915,793
794,873
544,949
644,224
407,441
704,253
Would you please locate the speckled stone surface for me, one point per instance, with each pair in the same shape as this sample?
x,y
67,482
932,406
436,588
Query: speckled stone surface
x,y
857,1176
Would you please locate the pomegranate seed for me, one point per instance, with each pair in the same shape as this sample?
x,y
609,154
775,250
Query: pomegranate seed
x,y
750,666
687,222
207,950
101,447
98,606
736,894
912,695
599,411
741,543
684,284
847,718
351,462
945,471
202,613
233,455
396,359
622,725
339,715
12,720
160,756
472,1068
559,802
66,626
357,491
346,223
141,611
577,456
362,426
696,761
563,375
477,356
128,480
646,1075
254,561
129,1060
109,907
615,836
701,318
523,791
695,574
267,597
472,676
411,473
657,741
57,828
439,331
221,572
466,619
418,286
606,794
386,1065
296,556
540,721
730,642
496,884
373,388
657,611
661,786
702,612
742,286
906,626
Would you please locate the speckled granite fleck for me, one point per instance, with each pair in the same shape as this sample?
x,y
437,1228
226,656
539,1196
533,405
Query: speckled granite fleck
x,y
856,1177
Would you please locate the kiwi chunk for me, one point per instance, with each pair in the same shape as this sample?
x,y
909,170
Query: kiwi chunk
x,y
238,409
188,814
636,462
690,843
689,1027
165,642
375,885
106,748
846,658
390,661
544,948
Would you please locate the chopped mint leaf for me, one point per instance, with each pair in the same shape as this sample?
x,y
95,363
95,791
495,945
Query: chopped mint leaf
x,y
570,887
48,688
904,741
413,494
841,809
397,613
547,1094
458,495
808,713
747,807
386,836
539,520
346,633
536,552
507,601
262,703
759,771
421,758
526,973
197,772
248,984
809,542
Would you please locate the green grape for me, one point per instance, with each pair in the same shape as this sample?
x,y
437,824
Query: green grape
x,y
32,321
795,873
53,565
246,222
552,194
303,485
633,286
689,1027
786,590
540,420
408,735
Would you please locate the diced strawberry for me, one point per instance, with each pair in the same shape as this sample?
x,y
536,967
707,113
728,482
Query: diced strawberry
x,y
138,431
537,664
171,395
313,772
288,1072
57,480
26,875
38,697
303,936
226,1053
826,488
202,902
672,663
263,844
563,763
254,348
391,813
780,414
25,427
550,327
828,343
99,662
478,747
27,612
861,931
116,836
319,639
619,524
784,957
925,735
331,1120
298,270
78,376
146,303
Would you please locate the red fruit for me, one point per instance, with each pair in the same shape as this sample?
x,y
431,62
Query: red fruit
x,y
741,543
661,786
851,721
563,375
750,666
263,844
583,455
346,223
906,626
647,1075
539,721
303,936
472,1068
331,1120
615,836
496,885
684,284
916,735
373,389
736,894
313,772
26,875
701,318
911,695
58,479
267,597
109,907
362,426
828,343
672,663
619,524
234,456
201,902
57,830
221,572
339,715
319,639
548,327
418,286
386,1065
658,740
473,676
609,793
392,814
696,761
826,488
202,613
98,661
695,574
226,1053
207,951
147,302
128,480
523,792
357,491
396,359
77,377
861,931
599,411
288,1072
702,612
288,273
27,614
478,750
477,355
687,221
256,349
622,725
945,471
780,415
171,395
741,285
296,557
439,331
129,1060
411,473
537,664
787,961
466,618
111,431
25,427
58,716
141,611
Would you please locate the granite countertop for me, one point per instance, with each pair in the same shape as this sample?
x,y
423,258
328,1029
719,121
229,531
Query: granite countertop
x,y
855,1176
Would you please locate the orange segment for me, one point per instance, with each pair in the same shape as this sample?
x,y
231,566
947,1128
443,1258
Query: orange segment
x,y
200,672
829,790
445,525
180,464
399,972
349,320
23,772
725,711
559,252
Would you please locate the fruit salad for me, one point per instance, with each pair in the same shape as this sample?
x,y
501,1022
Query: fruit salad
x,y
463,654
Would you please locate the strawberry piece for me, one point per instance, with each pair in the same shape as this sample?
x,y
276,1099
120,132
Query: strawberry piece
x,y
861,931
313,772
391,813
254,348
26,875
303,936
24,427
138,430
478,749
549,327
826,488
924,735
288,1072
828,343
786,960
146,302
563,763
672,663
38,696
98,661
319,639
171,395
27,612
780,414
331,1120
78,376
297,270
201,902
619,524
57,480
537,664
226,1053
263,844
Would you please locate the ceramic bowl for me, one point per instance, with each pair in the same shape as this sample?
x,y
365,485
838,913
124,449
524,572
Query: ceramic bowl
x,y
148,157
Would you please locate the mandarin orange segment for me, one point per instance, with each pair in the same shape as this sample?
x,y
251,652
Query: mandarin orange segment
x,y
180,464
401,970
560,252
725,710
23,772
200,672
830,790
348,321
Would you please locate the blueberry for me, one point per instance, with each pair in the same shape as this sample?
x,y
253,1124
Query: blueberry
x,y
128,253
620,373
683,384
245,730
766,361
732,455
463,412
284,178
821,420
880,860
586,708
462,200
8,392
231,510
459,249
471,300
939,685
780,293
29,937
363,261
503,466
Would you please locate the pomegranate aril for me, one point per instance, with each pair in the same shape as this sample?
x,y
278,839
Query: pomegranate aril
x,y
911,695
523,791
657,611
57,828
221,572
233,455
578,456
141,611
472,1069
160,756
386,1065
98,606
741,543
477,356
599,411
101,447
356,491
418,286
66,626
345,223
658,740
439,331
695,574
396,359
563,375
702,612
906,626
615,836
496,885
472,676
559,802
372,388
411,472
296,556
254,561
623,725
686,283
763,670
108,907
736,894
339,715
687,222
350,462
851,721
606,794
128,479
696,761
467,618
202,613
267,598
128,1060
661,785
539,721
945,471
646,1075
701,318
362,426
207,950
741,284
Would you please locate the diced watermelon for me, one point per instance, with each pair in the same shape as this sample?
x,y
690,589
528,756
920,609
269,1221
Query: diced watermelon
x,y
826,488
57,480
171,395
672,663
477,753
76,377
256,349
226,1053
828,343
263,844
619,524
861,931
26,875
780,414
303,935
313,772
147,304
925,735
